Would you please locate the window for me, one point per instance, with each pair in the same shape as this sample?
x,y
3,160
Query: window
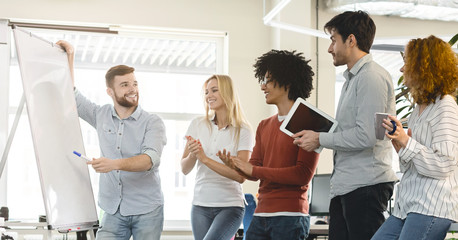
x,y
170,69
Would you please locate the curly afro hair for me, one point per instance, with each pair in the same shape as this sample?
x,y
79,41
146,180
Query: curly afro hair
x,y
287,69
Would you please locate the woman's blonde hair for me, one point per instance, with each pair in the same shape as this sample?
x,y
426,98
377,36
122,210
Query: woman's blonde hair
x,y
234,116
430,69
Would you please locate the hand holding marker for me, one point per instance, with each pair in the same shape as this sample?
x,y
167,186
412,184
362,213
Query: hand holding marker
x,y
82,156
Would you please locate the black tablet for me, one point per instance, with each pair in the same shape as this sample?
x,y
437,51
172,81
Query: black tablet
x,y
305,116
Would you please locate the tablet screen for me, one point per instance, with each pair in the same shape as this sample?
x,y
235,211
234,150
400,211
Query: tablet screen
x,y
305,118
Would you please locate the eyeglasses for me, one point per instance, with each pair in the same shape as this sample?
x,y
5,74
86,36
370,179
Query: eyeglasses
x,y
265,81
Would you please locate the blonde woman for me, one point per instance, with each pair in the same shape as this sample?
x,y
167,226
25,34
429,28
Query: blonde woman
x,y
218,204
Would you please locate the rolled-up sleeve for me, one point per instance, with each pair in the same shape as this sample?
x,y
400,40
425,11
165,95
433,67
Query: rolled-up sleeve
x,y
87,110
154,140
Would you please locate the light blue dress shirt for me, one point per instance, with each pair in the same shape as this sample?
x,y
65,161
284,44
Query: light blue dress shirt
x,y
133,193
359,158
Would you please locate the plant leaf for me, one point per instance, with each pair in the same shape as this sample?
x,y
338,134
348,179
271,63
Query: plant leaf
x,y
401,78
403,93
400,109
406,115
400,100
453,40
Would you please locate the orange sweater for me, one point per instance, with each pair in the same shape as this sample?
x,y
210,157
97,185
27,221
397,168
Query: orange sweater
x,y
284,169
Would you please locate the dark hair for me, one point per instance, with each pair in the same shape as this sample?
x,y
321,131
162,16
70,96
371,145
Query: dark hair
x,y
357,23
288,69
119,70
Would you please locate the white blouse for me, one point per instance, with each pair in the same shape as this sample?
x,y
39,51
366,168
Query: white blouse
x,y
429,185
212,189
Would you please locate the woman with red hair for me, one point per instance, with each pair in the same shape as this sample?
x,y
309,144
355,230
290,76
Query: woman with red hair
x,y
427,197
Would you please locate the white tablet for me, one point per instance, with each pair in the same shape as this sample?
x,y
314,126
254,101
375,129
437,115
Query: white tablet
x,y
305,116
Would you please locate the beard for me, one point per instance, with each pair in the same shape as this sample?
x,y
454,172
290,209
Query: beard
x,y
122,100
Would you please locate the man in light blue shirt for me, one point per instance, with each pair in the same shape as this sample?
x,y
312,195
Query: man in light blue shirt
x,y
362,180
131,142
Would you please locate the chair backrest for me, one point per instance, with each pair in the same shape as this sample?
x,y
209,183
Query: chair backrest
x,y
249,210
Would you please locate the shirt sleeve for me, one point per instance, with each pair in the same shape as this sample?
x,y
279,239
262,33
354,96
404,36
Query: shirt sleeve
x,y
87,110
301,174
154,139
257,155
192,129
440,159
246,139
372,95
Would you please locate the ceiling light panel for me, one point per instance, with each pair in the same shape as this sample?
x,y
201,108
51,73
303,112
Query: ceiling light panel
x,y
443,10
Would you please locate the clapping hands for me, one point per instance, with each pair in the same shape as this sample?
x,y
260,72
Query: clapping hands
x,y
235,163
195,148
226,158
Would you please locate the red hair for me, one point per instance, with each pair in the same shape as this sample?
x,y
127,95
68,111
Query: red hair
x,y
431,69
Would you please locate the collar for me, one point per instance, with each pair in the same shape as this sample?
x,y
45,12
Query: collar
x,y
212,119
135,115
348,74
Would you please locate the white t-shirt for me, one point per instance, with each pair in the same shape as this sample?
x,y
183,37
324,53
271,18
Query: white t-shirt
x,y
212,189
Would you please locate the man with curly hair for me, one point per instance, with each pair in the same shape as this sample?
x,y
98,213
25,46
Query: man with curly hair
x,y
284,169
362,181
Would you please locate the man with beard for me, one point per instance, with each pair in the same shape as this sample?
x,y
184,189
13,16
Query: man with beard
x,y
131,143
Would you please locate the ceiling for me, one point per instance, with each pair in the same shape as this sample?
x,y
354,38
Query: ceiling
x,y
443,10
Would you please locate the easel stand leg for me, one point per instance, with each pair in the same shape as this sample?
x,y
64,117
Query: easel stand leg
x,y
6,151
49,235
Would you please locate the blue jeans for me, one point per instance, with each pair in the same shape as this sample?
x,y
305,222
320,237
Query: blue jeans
x,y
215,223
280,227
144,226
414,227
